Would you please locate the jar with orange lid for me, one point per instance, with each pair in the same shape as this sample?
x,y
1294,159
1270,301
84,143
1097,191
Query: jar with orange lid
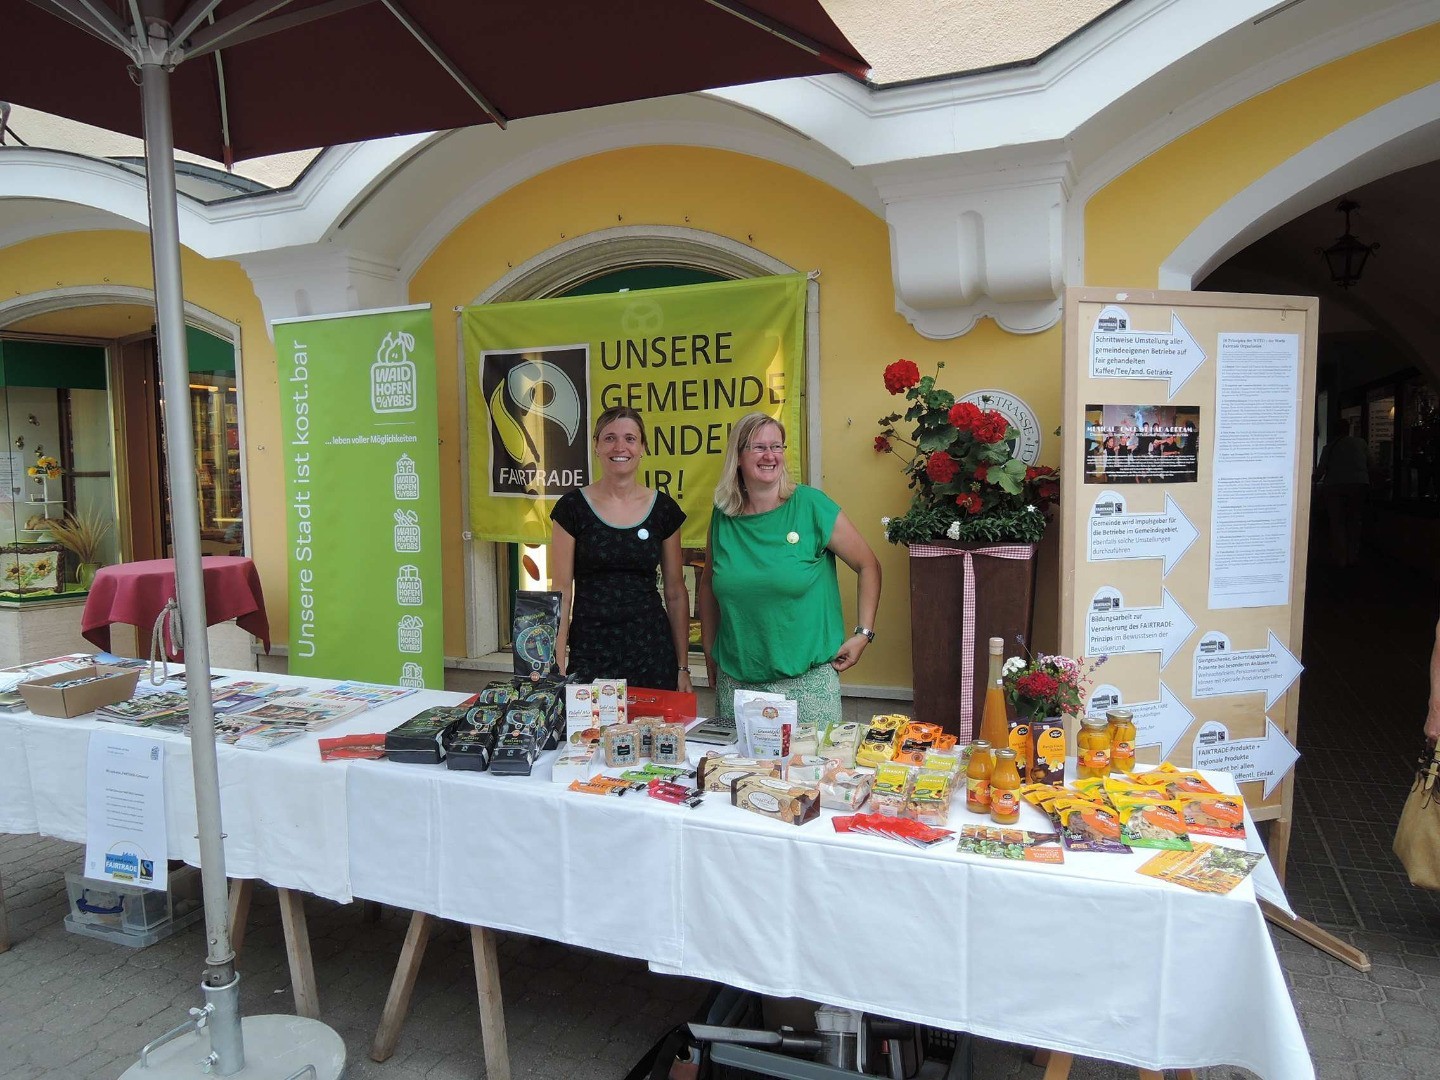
x,y
977,778
1092,748
1121,723
1005,789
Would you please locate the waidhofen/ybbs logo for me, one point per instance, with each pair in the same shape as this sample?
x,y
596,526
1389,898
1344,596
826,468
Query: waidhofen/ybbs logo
x,y
539,405
392,377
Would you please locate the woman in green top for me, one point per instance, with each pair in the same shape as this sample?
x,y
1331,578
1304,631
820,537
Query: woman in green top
x,y
770,610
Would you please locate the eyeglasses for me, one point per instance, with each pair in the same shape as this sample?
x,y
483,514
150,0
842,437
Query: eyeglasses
x,y
768,448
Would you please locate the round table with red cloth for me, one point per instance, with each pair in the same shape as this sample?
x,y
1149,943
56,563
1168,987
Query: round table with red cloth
x,y
137,592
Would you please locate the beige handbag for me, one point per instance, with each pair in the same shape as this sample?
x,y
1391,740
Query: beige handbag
x,y
1417,839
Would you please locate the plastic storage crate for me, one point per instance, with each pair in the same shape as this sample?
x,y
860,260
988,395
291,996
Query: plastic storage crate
x,y
131,915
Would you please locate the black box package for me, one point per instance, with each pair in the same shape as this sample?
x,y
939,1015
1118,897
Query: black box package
x,y
421,740
524,734
534,626
472,740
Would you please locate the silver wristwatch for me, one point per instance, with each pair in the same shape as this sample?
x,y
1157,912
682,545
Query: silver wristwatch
x,y
865,630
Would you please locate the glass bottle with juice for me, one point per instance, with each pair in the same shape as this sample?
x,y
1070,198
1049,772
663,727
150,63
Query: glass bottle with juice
x,y
977,778
994,721
1122,739
1005,789
1092,748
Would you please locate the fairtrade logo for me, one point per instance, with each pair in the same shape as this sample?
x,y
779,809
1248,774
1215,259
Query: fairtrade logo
x,y
539,420
392,376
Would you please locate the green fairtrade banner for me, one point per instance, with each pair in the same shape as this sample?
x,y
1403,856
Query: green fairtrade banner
x,y
362,484
692,359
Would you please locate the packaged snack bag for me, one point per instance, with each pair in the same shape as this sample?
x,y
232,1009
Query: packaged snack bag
x,y
840,741
890,794
930,797
1214,815
1148,824
879,744
1087,827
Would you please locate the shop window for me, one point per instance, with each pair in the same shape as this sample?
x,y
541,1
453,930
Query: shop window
x,y
57,469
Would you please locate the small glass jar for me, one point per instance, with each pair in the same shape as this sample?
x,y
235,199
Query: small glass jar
x,y
1121,723
1092,748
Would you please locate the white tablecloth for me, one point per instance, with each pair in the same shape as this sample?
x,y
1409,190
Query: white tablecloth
x,y
1087,957
284,812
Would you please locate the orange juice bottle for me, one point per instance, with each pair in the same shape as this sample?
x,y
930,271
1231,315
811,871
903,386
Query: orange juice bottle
x,y
994,723
1092,757
977,778
1005,789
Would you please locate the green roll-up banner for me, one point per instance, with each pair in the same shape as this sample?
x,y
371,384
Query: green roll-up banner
x,y
692,359
362,480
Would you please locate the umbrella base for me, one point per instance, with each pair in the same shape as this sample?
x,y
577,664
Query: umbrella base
x,y
276,1048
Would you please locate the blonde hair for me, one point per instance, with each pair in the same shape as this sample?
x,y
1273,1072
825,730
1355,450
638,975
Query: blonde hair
x,y
730,491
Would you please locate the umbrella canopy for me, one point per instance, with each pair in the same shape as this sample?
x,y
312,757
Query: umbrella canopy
x,y
261,77
234,79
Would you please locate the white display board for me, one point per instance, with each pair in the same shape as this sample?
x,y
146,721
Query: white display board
x,y
1188,419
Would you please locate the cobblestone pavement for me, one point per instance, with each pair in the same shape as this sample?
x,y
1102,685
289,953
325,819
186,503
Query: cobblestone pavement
x,y
76,1008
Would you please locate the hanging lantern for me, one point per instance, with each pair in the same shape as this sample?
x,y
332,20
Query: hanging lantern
x,y
1346,257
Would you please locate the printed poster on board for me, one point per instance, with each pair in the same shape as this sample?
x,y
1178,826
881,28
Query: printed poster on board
x,y
362,478
1142,444
692,360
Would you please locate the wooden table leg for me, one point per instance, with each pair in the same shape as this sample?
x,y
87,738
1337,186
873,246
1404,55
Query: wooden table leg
x,y
241,890
1151,1074
4,921
1058,1067
492,1009
297,948
397,1002
1184,1074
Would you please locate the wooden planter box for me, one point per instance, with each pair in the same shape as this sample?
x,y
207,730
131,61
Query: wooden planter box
x,y
1004,607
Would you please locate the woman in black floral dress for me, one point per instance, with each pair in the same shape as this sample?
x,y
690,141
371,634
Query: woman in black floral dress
x,y
607,542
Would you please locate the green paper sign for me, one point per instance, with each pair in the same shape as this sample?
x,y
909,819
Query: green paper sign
x,y
362,486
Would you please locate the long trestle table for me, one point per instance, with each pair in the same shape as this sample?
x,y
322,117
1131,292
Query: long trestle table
x,y
1088,958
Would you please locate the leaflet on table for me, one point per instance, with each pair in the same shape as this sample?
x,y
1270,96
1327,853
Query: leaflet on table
x,y
125,837
370,695
1256,424
12,677
304,712
1209,868
1000,842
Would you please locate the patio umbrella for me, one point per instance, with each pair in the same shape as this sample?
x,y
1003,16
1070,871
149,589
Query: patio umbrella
x,y
235,79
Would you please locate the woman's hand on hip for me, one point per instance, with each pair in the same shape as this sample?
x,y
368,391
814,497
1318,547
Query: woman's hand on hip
x,y
849,654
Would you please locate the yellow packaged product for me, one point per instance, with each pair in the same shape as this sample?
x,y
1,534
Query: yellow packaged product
x,y
878,746
1138,791
914,740
890,794
1148,824
951,762
1087,826
1214,815
1020,743
1177,782
1090,785
930,797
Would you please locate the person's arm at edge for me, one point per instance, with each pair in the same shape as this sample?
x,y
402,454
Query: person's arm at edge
x,y
847,543
709,615
1432,719
562,580
677,607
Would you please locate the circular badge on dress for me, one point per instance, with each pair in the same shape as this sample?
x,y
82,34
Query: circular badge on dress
x,y
792,538
1022,418
643,534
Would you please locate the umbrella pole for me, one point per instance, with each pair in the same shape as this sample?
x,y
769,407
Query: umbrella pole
x,y
221,984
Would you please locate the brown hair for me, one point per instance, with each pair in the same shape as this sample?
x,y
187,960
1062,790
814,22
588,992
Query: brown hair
x,y
620,412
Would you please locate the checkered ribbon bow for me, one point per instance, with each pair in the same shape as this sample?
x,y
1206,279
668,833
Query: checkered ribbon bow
x,y
967,633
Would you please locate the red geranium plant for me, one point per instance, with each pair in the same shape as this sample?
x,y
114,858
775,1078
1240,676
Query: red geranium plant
x,y
967,482
1042,685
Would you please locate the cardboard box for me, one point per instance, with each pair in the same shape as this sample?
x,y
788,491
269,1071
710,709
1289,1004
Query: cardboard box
x,y
44,698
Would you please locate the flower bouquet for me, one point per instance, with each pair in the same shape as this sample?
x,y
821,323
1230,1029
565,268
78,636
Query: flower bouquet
x,y
1043,685
967,482
45,468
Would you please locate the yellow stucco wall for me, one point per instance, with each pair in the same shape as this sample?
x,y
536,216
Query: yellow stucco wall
x,y
804,224
1135,222
123,258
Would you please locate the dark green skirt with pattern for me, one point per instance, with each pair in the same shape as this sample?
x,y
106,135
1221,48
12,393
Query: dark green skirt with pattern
x,y
816,694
